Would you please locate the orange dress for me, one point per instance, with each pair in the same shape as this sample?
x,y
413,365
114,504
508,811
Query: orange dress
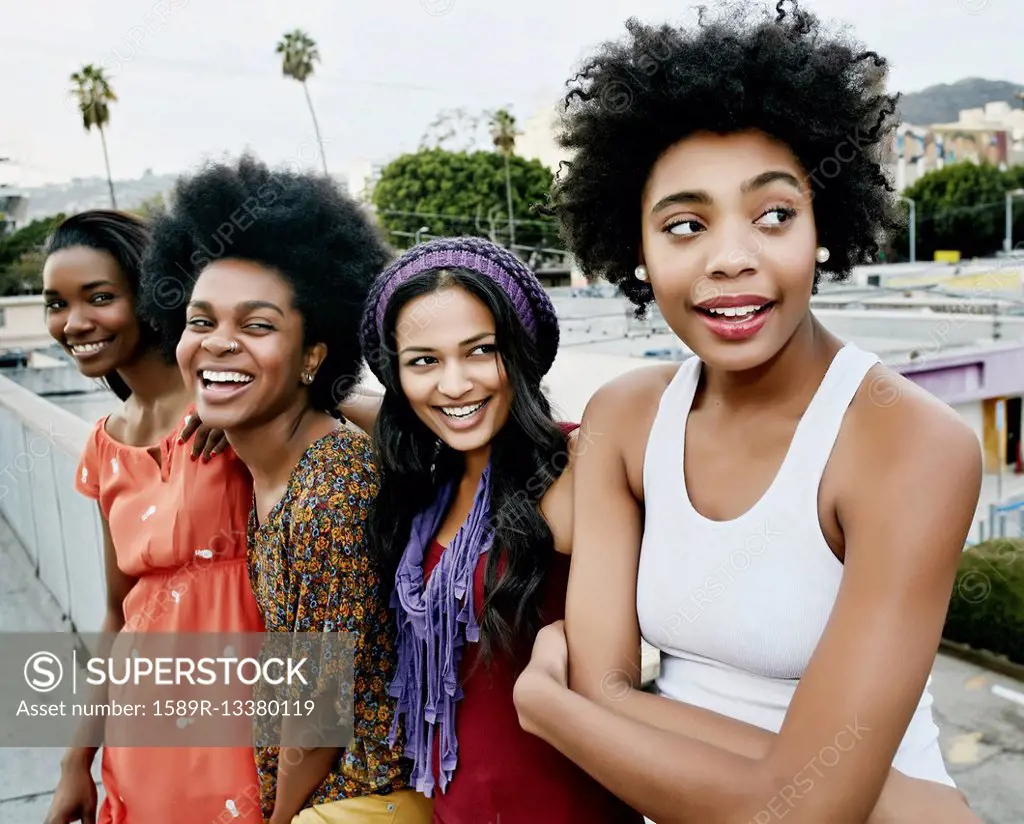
x,y
179,528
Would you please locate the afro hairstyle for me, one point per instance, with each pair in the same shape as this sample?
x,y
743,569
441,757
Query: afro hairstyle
x,y
300,225
820,95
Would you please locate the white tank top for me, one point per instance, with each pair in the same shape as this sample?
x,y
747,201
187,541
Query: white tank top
x,y
736,608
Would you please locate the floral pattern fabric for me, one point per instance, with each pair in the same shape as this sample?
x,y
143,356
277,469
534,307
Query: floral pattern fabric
x,y
311,571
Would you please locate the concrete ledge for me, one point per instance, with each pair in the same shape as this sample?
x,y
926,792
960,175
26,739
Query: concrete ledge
x,y
40,445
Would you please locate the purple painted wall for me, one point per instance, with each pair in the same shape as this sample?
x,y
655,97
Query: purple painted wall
x,y
986,373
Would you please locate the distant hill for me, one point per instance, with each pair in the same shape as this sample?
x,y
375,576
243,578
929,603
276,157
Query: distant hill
x,y
92,193
80,194
942,103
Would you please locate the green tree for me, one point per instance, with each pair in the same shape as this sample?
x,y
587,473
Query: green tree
x,y
151,207
960,206
94,95
463,193
25,275
21,258
300,53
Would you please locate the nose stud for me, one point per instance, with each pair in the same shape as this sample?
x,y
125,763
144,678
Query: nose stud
x,y
232,345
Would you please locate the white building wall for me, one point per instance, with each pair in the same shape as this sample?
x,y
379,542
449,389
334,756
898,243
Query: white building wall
x,y
536,140
23,322
971,413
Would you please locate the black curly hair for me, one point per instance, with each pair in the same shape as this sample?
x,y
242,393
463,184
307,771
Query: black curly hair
x,y
299,224
822,96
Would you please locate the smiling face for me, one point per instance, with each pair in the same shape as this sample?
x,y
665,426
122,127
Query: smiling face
x,y
246,303
729,242
90,309
450,370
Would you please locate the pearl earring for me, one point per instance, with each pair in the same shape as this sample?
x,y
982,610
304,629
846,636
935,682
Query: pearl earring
x,y
307,377
640,273
821,255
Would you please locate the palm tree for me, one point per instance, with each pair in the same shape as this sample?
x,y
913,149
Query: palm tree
x,y
94,95
503,133
300,53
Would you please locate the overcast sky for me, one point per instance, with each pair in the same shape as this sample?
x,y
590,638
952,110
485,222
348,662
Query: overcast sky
x,y
204,80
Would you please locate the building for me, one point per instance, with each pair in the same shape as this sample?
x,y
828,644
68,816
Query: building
x,y
13,209
537,141
993,133
361,176
23,323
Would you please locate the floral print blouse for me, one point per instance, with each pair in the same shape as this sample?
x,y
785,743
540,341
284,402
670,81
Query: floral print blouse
x,y
310,568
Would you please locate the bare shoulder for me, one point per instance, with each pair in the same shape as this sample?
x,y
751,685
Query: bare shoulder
x,y
619,417
637,385
628,402
902,444
116,424
892,416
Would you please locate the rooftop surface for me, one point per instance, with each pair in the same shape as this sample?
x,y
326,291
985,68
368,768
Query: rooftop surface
x,y
595,320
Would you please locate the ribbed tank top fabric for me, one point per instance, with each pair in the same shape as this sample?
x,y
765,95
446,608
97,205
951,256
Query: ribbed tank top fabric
x,y
736,608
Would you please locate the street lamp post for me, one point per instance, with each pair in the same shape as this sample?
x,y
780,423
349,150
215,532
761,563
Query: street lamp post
x,y
1008,239
913,227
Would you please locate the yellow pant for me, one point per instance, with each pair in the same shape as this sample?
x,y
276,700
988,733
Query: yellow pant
x,y
399,807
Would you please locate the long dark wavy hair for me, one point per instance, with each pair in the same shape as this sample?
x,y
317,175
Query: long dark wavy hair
x,y
125,237
527,455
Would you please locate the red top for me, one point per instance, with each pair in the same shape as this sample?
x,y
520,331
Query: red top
x,y
504,774
178,528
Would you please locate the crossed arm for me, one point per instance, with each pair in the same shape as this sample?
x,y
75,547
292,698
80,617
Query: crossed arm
x,y
682,765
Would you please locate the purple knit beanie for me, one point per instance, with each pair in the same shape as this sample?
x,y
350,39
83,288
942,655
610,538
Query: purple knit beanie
x,y
532,304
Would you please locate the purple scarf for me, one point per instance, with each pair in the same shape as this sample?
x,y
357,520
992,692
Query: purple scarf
x,y
434,623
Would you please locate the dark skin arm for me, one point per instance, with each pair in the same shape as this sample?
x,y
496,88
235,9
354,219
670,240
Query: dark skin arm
x,y
208,442
863,682
342,573
75,798
362,407
300,772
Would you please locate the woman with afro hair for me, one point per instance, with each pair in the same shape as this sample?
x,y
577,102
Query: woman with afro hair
x,y
139,468
257,278
780,515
